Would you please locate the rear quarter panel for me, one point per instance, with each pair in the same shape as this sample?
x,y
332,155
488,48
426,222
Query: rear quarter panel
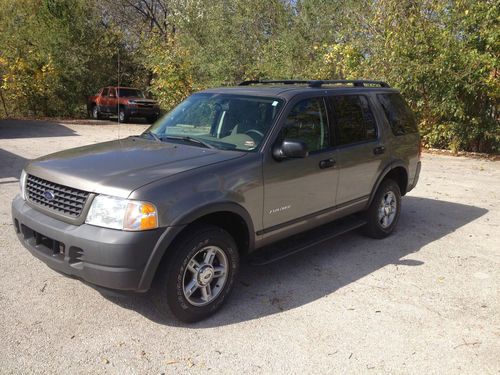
x,y
402,148
91,100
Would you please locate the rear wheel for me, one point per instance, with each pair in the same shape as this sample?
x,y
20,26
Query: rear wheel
x,y
383,214
122,115
199,275
95,113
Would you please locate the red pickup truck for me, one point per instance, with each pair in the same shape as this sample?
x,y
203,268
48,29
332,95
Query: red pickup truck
x,y
124,102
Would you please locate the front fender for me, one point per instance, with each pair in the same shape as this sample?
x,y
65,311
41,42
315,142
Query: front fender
x,y
171,232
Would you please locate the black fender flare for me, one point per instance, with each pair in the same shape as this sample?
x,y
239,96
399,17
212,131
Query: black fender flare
x,y
172,231
385,172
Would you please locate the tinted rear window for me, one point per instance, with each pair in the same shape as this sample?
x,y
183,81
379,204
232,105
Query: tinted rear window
x,y
353,119
398,114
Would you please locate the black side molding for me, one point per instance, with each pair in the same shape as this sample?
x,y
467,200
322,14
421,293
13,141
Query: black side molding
x,y
305,240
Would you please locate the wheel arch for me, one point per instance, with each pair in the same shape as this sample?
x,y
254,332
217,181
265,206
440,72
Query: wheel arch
x,y
396,171
230,216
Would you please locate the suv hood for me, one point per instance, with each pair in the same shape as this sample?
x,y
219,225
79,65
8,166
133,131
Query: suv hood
x,y
120,167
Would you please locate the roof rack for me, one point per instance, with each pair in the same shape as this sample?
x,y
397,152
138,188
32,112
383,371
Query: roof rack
x,y
318,83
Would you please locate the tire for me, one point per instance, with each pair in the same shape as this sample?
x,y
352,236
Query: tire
x,y
95,113
383,214
182,284
122,115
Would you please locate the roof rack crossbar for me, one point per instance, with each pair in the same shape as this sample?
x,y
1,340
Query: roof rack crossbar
x,y
284,81
354,82
317,83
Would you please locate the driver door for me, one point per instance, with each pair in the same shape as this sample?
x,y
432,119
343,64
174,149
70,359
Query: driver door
x,y
295,190
112,101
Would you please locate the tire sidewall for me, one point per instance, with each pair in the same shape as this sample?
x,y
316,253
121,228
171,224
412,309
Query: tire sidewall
x,y
125,116
174,288
386,186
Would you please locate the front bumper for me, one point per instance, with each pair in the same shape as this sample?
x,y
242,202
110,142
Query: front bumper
x,y
143,111
105,257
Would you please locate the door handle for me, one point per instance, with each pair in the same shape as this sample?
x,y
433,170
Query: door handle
x,y
327,163
379,150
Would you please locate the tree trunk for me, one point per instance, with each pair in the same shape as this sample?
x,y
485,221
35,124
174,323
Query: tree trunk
x,y
3,102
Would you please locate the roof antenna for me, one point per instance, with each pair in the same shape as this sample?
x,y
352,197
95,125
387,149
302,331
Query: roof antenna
x,y
118,93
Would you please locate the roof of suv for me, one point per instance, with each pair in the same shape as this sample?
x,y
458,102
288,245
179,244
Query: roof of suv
x,y
288,89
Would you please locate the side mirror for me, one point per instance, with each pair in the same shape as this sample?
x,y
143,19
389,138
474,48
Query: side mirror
x,y
290,149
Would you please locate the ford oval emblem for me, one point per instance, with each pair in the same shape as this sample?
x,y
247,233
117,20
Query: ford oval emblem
x,y
49,195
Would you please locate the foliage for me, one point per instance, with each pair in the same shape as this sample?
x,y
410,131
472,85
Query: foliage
x,y
171,70
54,54
442,54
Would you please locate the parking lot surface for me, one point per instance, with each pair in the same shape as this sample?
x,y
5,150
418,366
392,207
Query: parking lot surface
x,y
424,300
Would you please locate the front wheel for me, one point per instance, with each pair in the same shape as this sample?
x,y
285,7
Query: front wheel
x,y
199,275
383,213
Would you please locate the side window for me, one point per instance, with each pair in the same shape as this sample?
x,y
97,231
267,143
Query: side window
x,y
398,114
307,122
353,119
105,92
112,93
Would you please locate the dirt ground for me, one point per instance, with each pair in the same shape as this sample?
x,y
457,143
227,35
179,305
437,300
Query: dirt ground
x,y
425,300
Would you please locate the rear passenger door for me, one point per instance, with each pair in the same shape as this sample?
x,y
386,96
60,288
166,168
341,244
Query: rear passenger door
x,y
295,188
360,152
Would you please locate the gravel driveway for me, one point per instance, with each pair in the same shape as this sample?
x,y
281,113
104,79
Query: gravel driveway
x,y
424,300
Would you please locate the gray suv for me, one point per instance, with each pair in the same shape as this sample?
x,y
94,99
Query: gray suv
x,y
274,166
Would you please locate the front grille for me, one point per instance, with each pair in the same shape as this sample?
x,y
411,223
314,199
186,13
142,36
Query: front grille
x,y
144,104
65,200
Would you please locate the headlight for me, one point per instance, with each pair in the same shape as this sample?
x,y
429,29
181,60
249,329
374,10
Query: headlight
x,y
22,184
120,213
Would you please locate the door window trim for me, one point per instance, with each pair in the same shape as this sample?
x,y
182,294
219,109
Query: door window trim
x,y
280,124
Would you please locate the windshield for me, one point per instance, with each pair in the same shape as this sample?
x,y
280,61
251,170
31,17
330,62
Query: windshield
x,y
229,122
128,93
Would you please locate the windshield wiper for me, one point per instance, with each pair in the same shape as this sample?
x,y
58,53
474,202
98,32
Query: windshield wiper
x,y
189,139
153,135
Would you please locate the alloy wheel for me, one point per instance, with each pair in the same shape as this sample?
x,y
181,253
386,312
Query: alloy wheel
x,y
205,276
387,210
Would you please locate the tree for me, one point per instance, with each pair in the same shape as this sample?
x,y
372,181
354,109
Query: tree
x,y
442,54
55,53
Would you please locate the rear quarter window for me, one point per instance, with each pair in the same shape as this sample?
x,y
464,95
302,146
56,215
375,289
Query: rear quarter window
x,y
399,115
